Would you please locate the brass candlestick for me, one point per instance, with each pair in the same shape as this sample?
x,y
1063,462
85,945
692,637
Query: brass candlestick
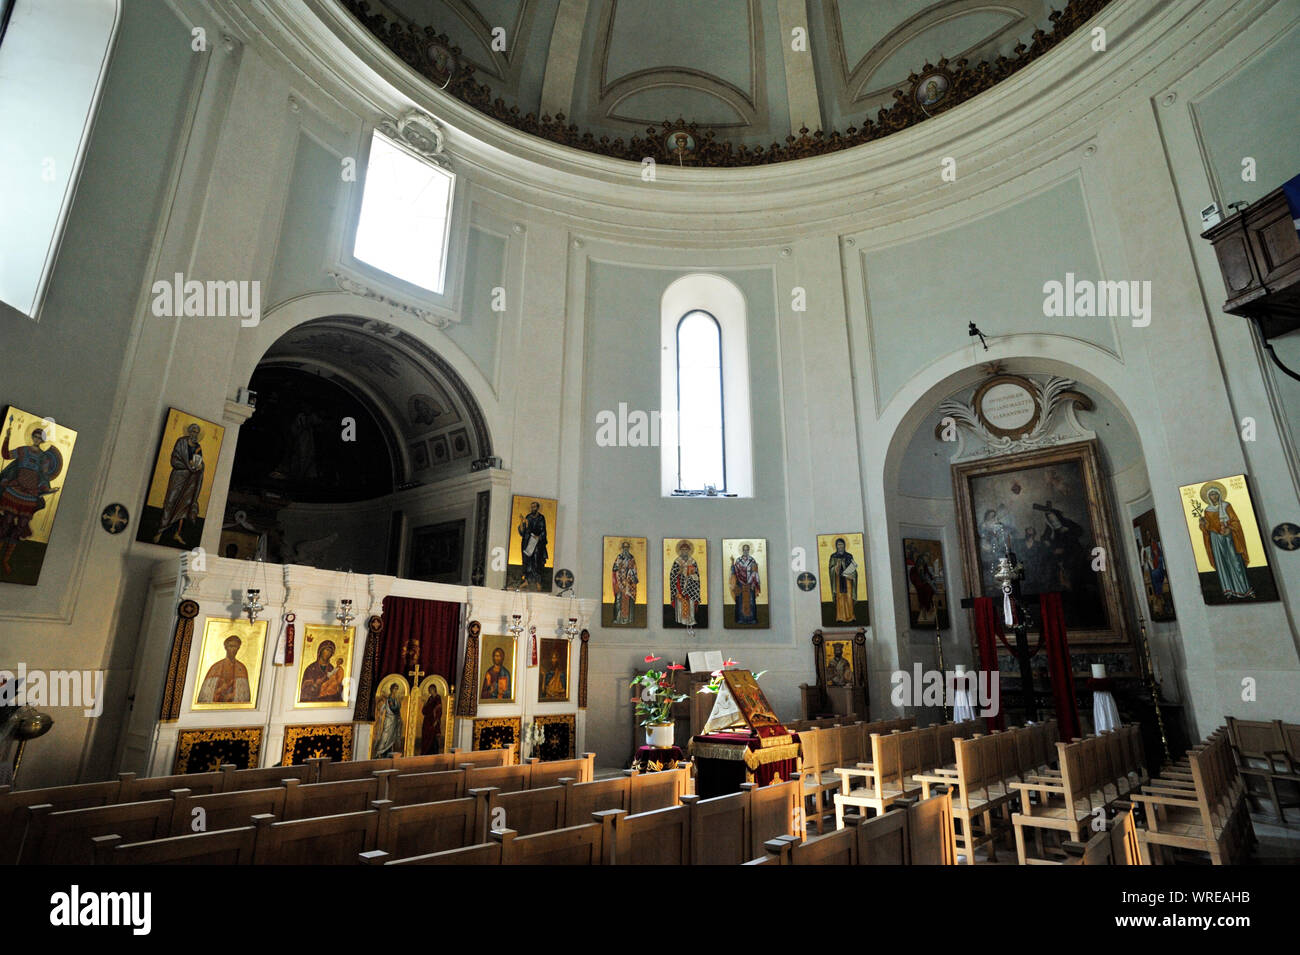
x,y
29,723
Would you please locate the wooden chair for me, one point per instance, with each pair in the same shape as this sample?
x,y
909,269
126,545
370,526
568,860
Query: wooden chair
x,y
1263,756
979,790
212,812
1212,817
1113,845
324,840
820,756
332,798
227,847
658,837
575,845
883,781
64,837
423,828
1068,804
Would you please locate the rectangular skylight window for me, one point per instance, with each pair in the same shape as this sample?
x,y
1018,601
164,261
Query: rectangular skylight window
x,y
405,214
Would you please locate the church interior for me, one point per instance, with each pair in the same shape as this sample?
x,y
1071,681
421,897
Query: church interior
x,y
773,432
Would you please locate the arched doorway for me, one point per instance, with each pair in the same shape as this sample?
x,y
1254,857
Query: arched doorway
x,y
357,456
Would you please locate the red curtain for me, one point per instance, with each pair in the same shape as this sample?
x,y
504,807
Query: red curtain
x,y
1058,665
988,627
435,623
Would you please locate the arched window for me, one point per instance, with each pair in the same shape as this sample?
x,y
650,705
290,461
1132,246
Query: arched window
x,y
701,454
704,377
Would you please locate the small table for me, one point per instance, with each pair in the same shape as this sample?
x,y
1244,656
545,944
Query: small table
x,y
653,759
725,760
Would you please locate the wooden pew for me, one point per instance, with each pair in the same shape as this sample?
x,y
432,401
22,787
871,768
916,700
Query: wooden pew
x,y
404,789
331,798
931,831
584,799
882,839
575,845
324,840
423,828
720,833
835,848
485,757
433,763
139,789
488,853
15,803
333,772
505,778
64,837
525,811
773,811
648,791
240,779
227,847
1114,845
658,837
550,773
212,812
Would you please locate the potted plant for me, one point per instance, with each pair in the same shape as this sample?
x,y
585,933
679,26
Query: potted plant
x,y
655,705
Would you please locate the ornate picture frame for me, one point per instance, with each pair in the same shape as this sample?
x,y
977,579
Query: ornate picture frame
x,y
498,732
206,750
560,735
1052,509
316,741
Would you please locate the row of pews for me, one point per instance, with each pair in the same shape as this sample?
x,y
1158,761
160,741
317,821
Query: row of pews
x,y
1267,752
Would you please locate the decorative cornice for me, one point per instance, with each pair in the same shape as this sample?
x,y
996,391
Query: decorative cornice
x,y
420,132
348,283
411,44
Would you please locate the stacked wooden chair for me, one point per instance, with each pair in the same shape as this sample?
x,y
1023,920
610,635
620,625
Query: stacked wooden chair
x,y
1267,753
1203,809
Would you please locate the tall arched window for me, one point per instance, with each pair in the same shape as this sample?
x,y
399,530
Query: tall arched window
x,y
704,375
701,454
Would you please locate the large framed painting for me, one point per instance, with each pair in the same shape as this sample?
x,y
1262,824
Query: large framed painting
x,y
553,685
1051,509
686,583
744,598
1151,562
34,458
437,552
842,563
927,596
531,560
1230,557
230,664
183,473
496,679
624,592
324,666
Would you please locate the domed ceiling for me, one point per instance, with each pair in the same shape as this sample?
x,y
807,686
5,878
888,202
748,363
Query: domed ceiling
x,y
747,81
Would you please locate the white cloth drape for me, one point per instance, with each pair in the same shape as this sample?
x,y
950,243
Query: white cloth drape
x,y
1105,714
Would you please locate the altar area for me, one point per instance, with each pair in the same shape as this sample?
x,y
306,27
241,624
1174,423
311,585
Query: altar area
x,y
214,687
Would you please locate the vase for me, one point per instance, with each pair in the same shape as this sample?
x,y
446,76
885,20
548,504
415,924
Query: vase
x,y
659,735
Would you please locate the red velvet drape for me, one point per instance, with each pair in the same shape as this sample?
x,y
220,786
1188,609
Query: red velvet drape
x,y
435,623
988,627
1058,665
